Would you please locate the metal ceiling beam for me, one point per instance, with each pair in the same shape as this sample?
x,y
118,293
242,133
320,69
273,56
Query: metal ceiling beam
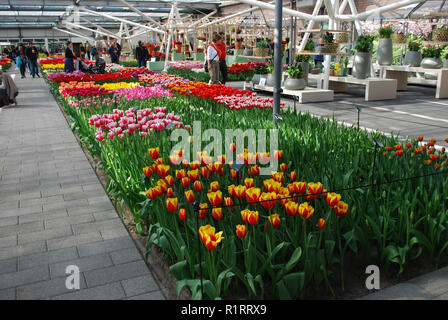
x,y
141,14
75,34
120,19
108,33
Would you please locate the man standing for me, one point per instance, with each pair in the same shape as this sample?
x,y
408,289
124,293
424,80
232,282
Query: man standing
x,y
69,56
222,57
32,55
88,49
213,59
141,54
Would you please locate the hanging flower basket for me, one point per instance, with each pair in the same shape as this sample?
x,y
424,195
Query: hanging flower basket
x,y
331,48
399,38
440,35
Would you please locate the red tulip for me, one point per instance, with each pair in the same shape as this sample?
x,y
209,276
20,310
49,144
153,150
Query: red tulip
x,y
147,171
183,214
172,204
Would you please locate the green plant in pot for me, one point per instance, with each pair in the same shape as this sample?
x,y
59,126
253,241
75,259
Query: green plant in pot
x,y
260,71
413,57
309,46
295,80
431,60
445,56
262,48
384,54
329,45
345,71
362,60
270,77
304,61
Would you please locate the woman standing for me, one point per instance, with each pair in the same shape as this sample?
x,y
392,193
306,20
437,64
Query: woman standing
x,y
213,59
69,56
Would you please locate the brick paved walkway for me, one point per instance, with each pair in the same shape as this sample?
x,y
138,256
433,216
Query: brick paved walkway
x,y
55,213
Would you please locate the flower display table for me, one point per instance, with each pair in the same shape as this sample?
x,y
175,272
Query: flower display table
x,y
307,95
375,88
400,73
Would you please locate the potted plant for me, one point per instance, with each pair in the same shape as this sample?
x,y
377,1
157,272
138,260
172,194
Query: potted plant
x,y
345,71
178,46
332,69
384,54
262,49
260,71
295,79
413,57
304,61
330,45
362,61
431,60
440,33
309,46
270,77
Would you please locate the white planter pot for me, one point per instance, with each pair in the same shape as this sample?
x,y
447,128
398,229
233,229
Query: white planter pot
x,y
270,80
295,84
361,65
431,63
413,58
384,55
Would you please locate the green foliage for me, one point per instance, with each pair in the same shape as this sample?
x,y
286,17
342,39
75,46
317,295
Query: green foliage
x,y
262,44
129,63
295,72
432,51
386,32
414,43
309,45
364,43
328,37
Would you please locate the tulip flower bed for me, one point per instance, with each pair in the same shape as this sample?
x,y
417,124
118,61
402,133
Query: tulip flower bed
x,y
293,234
5,63
236,72
189,65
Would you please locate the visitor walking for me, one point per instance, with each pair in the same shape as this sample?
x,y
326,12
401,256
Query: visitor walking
x,y
82,52
69,56
8,90
113,53
32,55
222,58
213,59
21,63
141,54
88,49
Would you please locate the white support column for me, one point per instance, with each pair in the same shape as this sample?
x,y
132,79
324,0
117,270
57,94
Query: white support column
x,y
310,25
327,61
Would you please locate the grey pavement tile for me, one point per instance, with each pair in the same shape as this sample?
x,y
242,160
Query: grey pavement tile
x,y
111,291
402,291
105,215
114,233
125,255
105,246
8,294
22,228
116,273
45,234
8,266
45,258
139,285
68,220
8,241
99,261
15,279
155,295
8,221
43,216
73,240
46,289
435,282
97,226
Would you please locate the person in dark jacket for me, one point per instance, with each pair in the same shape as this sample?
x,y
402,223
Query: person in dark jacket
x,y
32,54
141,54
113,53
69,56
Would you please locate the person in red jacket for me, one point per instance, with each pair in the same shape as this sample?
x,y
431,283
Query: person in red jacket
x,y
222,58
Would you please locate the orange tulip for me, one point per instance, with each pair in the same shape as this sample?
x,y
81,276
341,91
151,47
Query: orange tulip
x,y
163,185
274,220
151,193
249,182
321,223
185,164
185,182
231,190
180,174
183,214
265,200
197,186
278,154
154,153
293,176
324,193
240,191
233,147
398,147
174,159
255,170
313,190
446,140
222,159
283,167
233,174
244,214
169,193
169,180
147,171
209,237
203,210
162,170
253,194
189,196
205,172
333,199
215,198
214,186
277,176
228,202
217,167
420,138
299,187
252,217
399,152
194,165
305,210
193,175
291,208
217,213
172,204
341,209
241,231
283,195
271,185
